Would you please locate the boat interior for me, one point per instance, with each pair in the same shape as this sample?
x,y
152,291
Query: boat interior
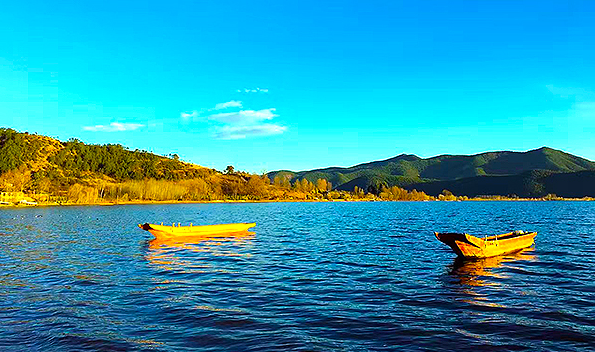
x,y
503,236
506,236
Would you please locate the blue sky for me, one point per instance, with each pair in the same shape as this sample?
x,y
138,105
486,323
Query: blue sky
x,y
302,84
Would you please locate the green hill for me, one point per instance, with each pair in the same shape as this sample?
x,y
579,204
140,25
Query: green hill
x,y
409,170
31,162
75,158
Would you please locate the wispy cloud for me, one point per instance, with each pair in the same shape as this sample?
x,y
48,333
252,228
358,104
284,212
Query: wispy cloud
x,y
114,127
230,121
241,132
186,115
229,104
253,90
244,116
246,123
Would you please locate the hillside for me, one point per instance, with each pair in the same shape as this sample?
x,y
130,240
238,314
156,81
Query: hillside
x,y
35,163
42,154
530,184
409,170
35,168
38,169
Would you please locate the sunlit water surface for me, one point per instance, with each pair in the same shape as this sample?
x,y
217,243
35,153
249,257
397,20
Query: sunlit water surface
x,y
312,277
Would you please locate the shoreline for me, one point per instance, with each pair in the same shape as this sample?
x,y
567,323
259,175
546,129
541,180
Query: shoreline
x,y
166,202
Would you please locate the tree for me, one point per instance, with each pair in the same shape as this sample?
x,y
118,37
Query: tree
x,y
277,181
229,170
198,189
256,187
306,186
15,180
446,195
446,192
358,192
285,183
266,179
43,185
321,185
395,193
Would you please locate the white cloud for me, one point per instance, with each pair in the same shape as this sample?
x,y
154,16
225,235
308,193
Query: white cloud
x,y
241,132
113,127
244,117
237,124
229,104
189,115
253,90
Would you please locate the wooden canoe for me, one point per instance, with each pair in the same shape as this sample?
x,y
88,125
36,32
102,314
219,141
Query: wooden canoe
x,y
160,231
467,246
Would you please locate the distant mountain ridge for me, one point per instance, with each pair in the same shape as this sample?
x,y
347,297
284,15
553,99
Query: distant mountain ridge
x,y
410,171
82,172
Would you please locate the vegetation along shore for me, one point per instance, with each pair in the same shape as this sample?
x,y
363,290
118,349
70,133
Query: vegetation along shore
x,y
40,170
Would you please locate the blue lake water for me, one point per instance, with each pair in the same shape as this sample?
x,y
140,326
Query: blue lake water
x,y
313,277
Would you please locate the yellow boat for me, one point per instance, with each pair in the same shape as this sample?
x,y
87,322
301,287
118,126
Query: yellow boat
x,y
468,246
160,231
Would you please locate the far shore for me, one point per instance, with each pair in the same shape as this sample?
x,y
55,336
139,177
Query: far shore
x,y
146,202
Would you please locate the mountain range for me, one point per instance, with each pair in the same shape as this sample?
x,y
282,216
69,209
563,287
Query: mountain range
x,y
43,164
534,173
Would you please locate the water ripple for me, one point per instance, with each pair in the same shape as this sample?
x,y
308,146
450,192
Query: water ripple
x,y
313,277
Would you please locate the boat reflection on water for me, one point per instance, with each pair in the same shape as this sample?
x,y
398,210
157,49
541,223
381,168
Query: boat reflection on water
x,y
188,252
186,242
479,282
480,272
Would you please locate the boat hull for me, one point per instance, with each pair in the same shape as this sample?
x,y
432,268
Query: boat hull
x,y
468,246
160,231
